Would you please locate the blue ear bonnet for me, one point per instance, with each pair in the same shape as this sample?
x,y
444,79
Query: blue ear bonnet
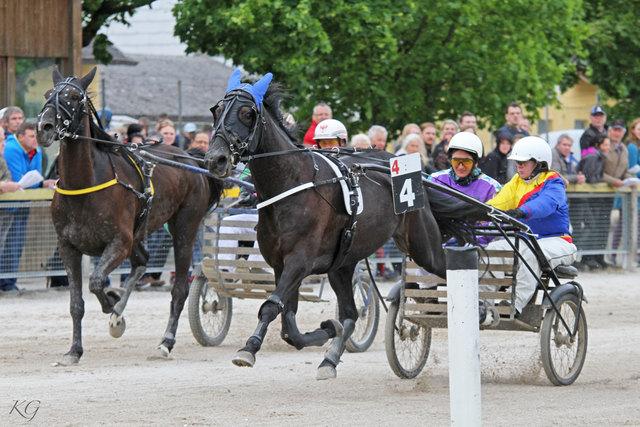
x,y
257,90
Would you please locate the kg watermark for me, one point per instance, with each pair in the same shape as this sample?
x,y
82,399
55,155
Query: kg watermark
x,y
26,409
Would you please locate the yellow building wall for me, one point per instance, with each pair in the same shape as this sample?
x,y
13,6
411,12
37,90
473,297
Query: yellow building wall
x,y
575,104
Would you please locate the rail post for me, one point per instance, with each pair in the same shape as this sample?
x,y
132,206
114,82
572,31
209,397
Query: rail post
x,y
632,259
463,326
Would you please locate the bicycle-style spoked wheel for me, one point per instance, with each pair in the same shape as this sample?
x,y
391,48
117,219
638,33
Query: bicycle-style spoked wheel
x,y
563,356
407,344
209,313
368,306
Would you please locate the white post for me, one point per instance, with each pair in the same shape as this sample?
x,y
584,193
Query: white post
x,y
463,323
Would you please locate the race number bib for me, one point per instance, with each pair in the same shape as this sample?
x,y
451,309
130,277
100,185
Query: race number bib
x,y
406,182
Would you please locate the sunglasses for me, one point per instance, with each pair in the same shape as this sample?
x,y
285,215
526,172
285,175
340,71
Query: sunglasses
x,y
519,163
457,161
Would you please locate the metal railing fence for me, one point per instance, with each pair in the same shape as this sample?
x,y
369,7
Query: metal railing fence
x,y
597,229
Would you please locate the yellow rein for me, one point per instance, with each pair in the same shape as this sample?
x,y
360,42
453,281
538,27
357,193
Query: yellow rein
x,y
95,188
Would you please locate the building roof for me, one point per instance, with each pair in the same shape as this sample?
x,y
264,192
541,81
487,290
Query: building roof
x,y
118,58
152,86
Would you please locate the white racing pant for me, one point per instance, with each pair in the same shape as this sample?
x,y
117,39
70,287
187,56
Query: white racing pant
x,y
557,250
237,230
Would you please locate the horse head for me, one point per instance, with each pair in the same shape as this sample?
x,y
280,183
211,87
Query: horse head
x,y
237,120
64,109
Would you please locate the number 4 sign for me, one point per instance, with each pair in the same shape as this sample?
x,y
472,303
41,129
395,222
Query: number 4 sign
x,y
406,183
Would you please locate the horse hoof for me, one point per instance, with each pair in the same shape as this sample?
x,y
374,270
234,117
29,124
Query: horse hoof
x,y
69,360
244,358
159,353
326,373
117,325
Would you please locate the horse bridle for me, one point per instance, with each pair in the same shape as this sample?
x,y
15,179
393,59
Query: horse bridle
x,y
238,145
67,119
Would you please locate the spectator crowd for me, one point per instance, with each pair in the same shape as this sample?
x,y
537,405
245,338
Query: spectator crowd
x,y
606,156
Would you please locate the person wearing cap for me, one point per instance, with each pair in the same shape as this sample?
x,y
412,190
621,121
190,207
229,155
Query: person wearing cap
x,y
465,148
189,132
598,119
330,133
537,197
616,169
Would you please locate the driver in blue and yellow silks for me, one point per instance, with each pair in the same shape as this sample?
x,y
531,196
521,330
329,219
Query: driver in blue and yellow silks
x,y
537,197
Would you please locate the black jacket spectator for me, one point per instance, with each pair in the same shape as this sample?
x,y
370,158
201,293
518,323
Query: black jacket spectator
x,y
592,166
495,164
589,135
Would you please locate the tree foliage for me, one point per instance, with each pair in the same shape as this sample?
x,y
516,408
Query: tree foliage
x,y
97,14
393,62
613,58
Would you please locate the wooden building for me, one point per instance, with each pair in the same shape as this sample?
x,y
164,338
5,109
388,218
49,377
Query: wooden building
x,y
34,35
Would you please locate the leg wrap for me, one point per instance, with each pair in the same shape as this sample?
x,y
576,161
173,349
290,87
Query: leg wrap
x,y
335,350
298,340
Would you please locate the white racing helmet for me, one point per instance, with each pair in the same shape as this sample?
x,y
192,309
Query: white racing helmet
x,y
531,147
466,141
329,129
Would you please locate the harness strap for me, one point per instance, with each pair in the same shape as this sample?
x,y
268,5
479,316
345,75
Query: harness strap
x,y
114,181
287,193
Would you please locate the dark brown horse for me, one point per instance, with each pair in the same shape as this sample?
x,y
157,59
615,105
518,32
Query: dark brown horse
x,y
300,234
102,208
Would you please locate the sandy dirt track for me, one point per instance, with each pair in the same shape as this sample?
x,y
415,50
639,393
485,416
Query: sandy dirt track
x,y
114,384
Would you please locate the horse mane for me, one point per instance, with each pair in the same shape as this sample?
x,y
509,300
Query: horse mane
x,y
272,99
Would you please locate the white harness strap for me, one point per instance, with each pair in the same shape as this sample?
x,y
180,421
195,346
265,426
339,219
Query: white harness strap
x,y
345,188
287,193
301,187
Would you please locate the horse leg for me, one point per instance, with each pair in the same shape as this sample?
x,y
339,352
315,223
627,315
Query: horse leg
x,y
111,258
184,236
287,284
348,314
328,329
138,259
72,260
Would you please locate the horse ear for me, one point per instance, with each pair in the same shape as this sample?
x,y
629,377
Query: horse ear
x,y
260,88
88,78
57,77
234,80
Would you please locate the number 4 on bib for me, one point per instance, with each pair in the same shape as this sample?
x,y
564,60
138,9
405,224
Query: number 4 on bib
x,y
406,183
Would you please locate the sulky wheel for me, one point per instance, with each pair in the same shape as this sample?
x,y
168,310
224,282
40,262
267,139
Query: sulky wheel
x,y
407,344
209,312
563,356
368,306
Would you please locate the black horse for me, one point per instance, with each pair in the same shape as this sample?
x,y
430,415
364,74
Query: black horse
x,y
106,203
301,234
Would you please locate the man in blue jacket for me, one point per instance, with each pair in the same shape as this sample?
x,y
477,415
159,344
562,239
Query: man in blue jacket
x,y
22,155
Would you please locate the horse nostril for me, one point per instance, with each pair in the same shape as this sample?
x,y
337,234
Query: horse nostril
x,y
222,161
47,127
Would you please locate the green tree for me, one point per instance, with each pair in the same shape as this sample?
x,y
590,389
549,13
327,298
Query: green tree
x,y
393,62
613,58
97,14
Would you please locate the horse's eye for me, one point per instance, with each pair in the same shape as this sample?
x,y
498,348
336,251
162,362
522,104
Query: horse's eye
x,y
245,114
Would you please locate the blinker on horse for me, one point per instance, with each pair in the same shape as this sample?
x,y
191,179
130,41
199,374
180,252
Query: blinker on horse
x,y
107,202
301,234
